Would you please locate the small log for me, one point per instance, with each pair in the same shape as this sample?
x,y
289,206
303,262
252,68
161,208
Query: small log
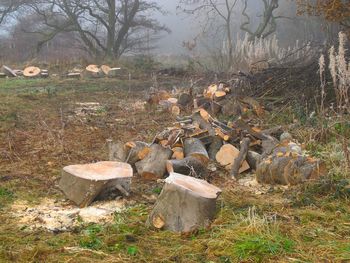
x,y
137,151
238,161
189,166
203,124
9,72
113,72
253,159
185,99
214,147
222,135
226,156
83,183
219,95
153,167
185,204
117,151
194,147
31,72
74,75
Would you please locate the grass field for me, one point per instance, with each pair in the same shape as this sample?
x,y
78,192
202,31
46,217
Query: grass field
x,y
39,134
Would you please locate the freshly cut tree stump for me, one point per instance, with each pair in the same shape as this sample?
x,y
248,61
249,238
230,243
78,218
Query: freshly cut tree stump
x,y
31,72
153,167
83,183
93,71
193,147
105,69
227,155
113,72
185,204
9,72
189,166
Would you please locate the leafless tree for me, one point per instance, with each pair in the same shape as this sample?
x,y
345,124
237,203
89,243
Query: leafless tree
x,y
105,28
222,9
267,24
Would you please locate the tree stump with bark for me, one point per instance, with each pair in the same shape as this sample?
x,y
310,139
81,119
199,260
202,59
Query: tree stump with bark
x,y
83,183
185,204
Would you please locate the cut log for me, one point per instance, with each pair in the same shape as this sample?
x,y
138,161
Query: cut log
x,y
185,99
2,75
219,95
31,72
222,135
185,204
92,71
113,72
175,110
153,167
230,107
194,147
253,159
74,75
238,161
178,153
137,151
288,167
214,147
9,72
118,151
189,166
18,72
227,155
203,124
83,183
105,69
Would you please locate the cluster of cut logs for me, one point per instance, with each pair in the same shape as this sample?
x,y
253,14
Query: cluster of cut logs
x,y
94,71
28,72
216,99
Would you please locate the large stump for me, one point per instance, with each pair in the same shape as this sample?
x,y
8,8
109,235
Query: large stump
x,y
83,183
185,204
31,72
93,71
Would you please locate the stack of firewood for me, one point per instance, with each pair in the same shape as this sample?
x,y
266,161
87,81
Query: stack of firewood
x,y
237,145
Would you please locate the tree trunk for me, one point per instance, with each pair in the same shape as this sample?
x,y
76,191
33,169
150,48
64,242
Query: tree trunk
x,y
193,147
185,204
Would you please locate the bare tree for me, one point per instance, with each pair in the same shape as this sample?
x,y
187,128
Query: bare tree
x,y
105,28
8,7
267,24
222,9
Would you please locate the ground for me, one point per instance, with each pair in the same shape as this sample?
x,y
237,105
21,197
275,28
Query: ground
x,y
41,131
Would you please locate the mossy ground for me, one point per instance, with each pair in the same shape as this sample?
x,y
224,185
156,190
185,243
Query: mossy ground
x,y
38,136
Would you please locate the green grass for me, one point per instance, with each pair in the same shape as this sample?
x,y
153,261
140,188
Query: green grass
x,y
259,247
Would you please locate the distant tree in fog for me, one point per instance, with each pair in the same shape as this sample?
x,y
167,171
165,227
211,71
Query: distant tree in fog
x,y
104,28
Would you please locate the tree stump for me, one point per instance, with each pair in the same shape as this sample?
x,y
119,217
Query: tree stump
x,y
92,71
31,72
185,204
105,69
83,183
153,166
